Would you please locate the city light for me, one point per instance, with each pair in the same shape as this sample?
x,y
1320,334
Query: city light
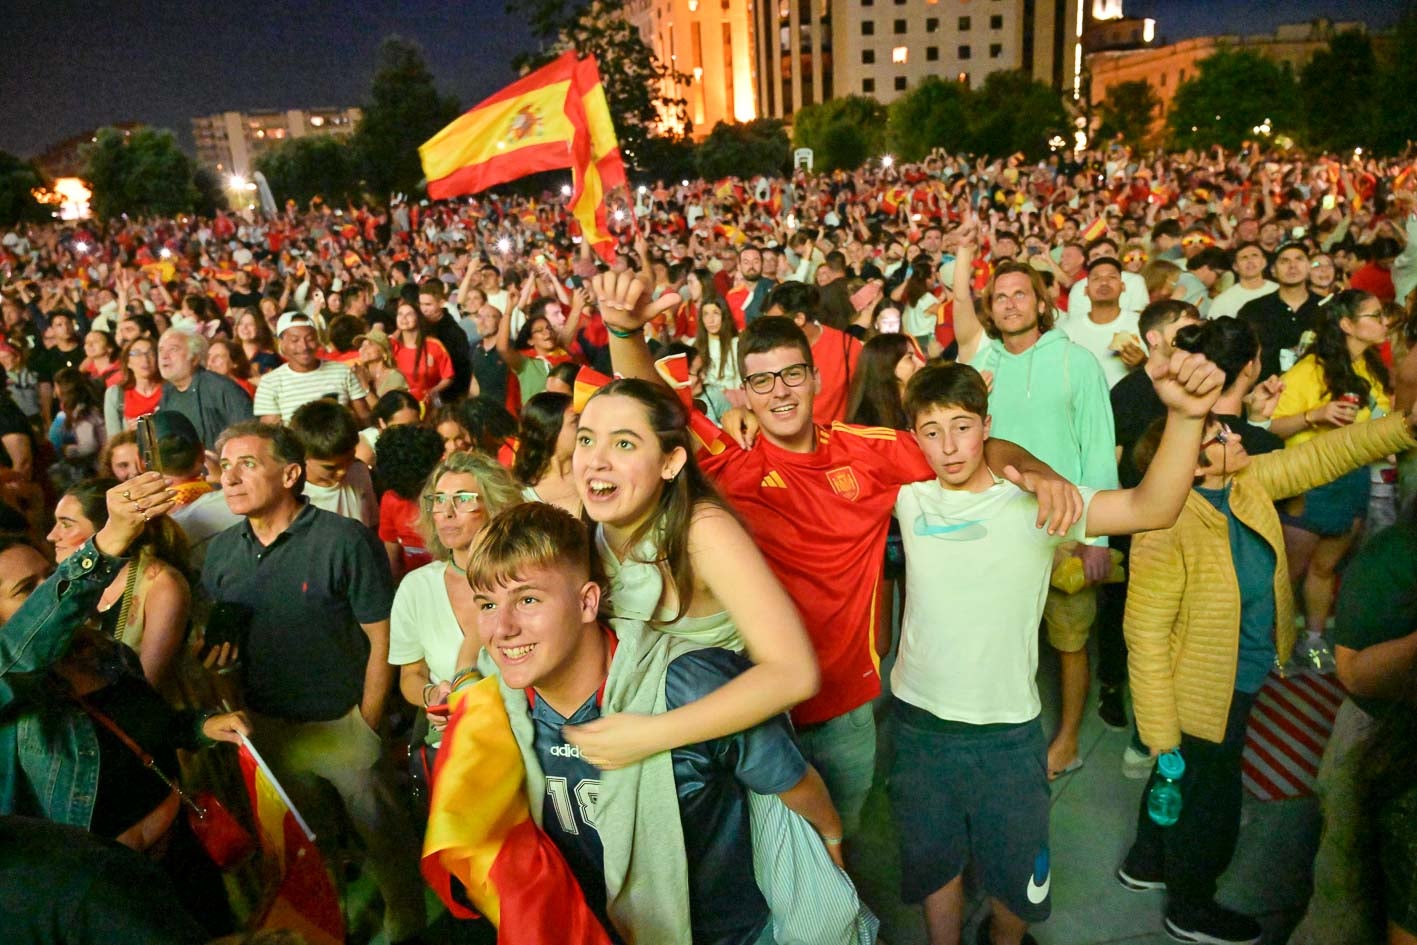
x,y
1264,128
565,190
81,246
887,160
165,253
236,182
618,216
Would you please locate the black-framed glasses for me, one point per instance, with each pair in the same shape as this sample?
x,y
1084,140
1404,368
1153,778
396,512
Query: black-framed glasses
x,y
794,375
1222,436
459,501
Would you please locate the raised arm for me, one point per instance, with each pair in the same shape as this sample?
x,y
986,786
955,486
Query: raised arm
x,y
969,330
1188,385
623,301
510,355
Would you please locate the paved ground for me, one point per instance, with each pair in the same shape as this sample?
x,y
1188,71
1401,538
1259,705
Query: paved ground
x,y
1094,813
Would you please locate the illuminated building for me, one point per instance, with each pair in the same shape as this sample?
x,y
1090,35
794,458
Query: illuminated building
x,y
752,58
231,141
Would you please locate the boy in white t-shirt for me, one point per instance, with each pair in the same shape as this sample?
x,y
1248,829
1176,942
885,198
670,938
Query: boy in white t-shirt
x,y
970,772
334,480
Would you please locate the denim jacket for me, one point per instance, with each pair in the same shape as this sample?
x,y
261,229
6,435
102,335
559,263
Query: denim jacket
x,y
49,769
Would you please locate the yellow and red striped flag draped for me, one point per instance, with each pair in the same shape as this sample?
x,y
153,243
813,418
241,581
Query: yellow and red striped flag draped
x,y
706,434
588,381
525,128
1095,229
304,900
480,832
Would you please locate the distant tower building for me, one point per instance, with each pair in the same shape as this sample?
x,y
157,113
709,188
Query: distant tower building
x,y
230,142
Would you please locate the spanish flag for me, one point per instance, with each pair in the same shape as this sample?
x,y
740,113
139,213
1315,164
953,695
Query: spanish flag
x,y
304,899
1095,229
598,167
525,128
588,381
480,832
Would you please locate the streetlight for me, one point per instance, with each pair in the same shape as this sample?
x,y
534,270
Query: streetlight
x,y
236,182
887,160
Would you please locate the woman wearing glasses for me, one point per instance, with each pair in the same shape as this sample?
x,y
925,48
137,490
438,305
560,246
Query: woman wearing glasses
x,y
433,609
1340,381
1210,612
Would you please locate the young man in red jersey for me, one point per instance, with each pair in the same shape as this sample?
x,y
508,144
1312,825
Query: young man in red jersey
x,y
818,500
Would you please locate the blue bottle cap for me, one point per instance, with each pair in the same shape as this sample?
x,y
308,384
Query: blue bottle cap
x,y
1171,765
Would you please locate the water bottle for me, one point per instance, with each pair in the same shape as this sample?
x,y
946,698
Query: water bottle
x,y
1163,801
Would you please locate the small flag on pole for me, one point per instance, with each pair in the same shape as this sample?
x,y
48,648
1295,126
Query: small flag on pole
x,y
303,900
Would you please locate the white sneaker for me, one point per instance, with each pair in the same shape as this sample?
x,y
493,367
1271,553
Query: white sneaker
x,y
1136,765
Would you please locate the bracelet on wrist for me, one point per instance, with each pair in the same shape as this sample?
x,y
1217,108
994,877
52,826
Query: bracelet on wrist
x,y
619,333
831,841
427,687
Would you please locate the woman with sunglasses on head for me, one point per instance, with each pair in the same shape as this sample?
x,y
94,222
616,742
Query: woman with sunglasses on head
x,y
1340,381
1210,613
433,610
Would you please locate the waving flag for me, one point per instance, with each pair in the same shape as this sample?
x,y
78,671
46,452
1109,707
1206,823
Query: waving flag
x,y
523,129
480,832
555,117
303,900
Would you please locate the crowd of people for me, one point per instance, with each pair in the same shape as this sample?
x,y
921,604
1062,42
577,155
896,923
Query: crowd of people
x,y
329,477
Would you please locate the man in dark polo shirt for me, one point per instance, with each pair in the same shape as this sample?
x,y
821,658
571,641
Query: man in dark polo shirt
x,y
307,594
1281,318
489,371
1375,647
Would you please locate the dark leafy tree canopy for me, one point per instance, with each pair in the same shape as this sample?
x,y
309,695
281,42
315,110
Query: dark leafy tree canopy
x,y
142,171
1012,112
640,89
743,150
1128,111
933,114
1234,92
302,168
404,110
842,133
18,180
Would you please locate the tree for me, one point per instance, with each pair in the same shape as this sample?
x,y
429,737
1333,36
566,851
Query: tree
x,y
404,110
302,168
641,90
142,171
1234,92
743,150
18,180
842,132
933,114
1397,88
1012,112
1128,110
1337,89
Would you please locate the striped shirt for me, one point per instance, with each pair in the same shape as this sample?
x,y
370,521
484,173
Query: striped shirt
x,y
285,390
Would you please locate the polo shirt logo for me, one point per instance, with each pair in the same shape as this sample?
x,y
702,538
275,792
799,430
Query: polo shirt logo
x,y
843,482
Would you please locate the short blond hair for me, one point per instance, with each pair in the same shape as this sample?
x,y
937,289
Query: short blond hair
x,y
530,536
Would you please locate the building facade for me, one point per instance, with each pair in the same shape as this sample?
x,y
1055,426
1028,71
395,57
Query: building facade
x,y
1166,67
230,142
768,58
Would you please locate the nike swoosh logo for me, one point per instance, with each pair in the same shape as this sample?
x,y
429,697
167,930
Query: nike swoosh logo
x,y
924,529
1037,893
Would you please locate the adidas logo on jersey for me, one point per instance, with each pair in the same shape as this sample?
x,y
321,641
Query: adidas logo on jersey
x,y
565,751
774,481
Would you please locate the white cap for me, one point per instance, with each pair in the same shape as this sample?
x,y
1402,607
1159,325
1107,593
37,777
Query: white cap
x,y
292,319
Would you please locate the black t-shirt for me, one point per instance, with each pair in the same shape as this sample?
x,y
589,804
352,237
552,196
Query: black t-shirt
x,y
1135,407
712,778
1278,326
301,601
12,421
450,333
243,300
51,361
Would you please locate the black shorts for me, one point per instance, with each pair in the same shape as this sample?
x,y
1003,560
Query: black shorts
x,y
962,791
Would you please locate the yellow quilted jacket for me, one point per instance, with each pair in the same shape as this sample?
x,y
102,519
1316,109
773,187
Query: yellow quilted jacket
x,y
1182,621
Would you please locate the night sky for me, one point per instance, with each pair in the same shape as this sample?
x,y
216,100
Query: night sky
x,y
71,66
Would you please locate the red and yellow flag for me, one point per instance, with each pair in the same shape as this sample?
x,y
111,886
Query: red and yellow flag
x,y
480,832
523,129
598,167
588,381
303,900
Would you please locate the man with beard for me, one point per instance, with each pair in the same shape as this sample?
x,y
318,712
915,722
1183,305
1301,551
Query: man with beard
x,y
750,289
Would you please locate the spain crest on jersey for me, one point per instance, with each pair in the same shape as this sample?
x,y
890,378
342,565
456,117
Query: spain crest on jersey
x,y
843,482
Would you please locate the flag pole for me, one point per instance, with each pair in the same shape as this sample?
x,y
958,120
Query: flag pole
x,y
280,791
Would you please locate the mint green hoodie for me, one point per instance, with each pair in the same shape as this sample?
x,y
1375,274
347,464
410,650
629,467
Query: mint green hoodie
x,y
1053,401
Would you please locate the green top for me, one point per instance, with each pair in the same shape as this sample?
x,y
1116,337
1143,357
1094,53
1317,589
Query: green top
x,y
637,592
1378,599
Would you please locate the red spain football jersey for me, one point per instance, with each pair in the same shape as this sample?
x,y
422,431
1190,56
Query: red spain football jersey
x,y
820,519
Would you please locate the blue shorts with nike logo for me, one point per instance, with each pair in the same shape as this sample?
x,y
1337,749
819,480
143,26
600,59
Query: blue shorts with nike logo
x,y
960,792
